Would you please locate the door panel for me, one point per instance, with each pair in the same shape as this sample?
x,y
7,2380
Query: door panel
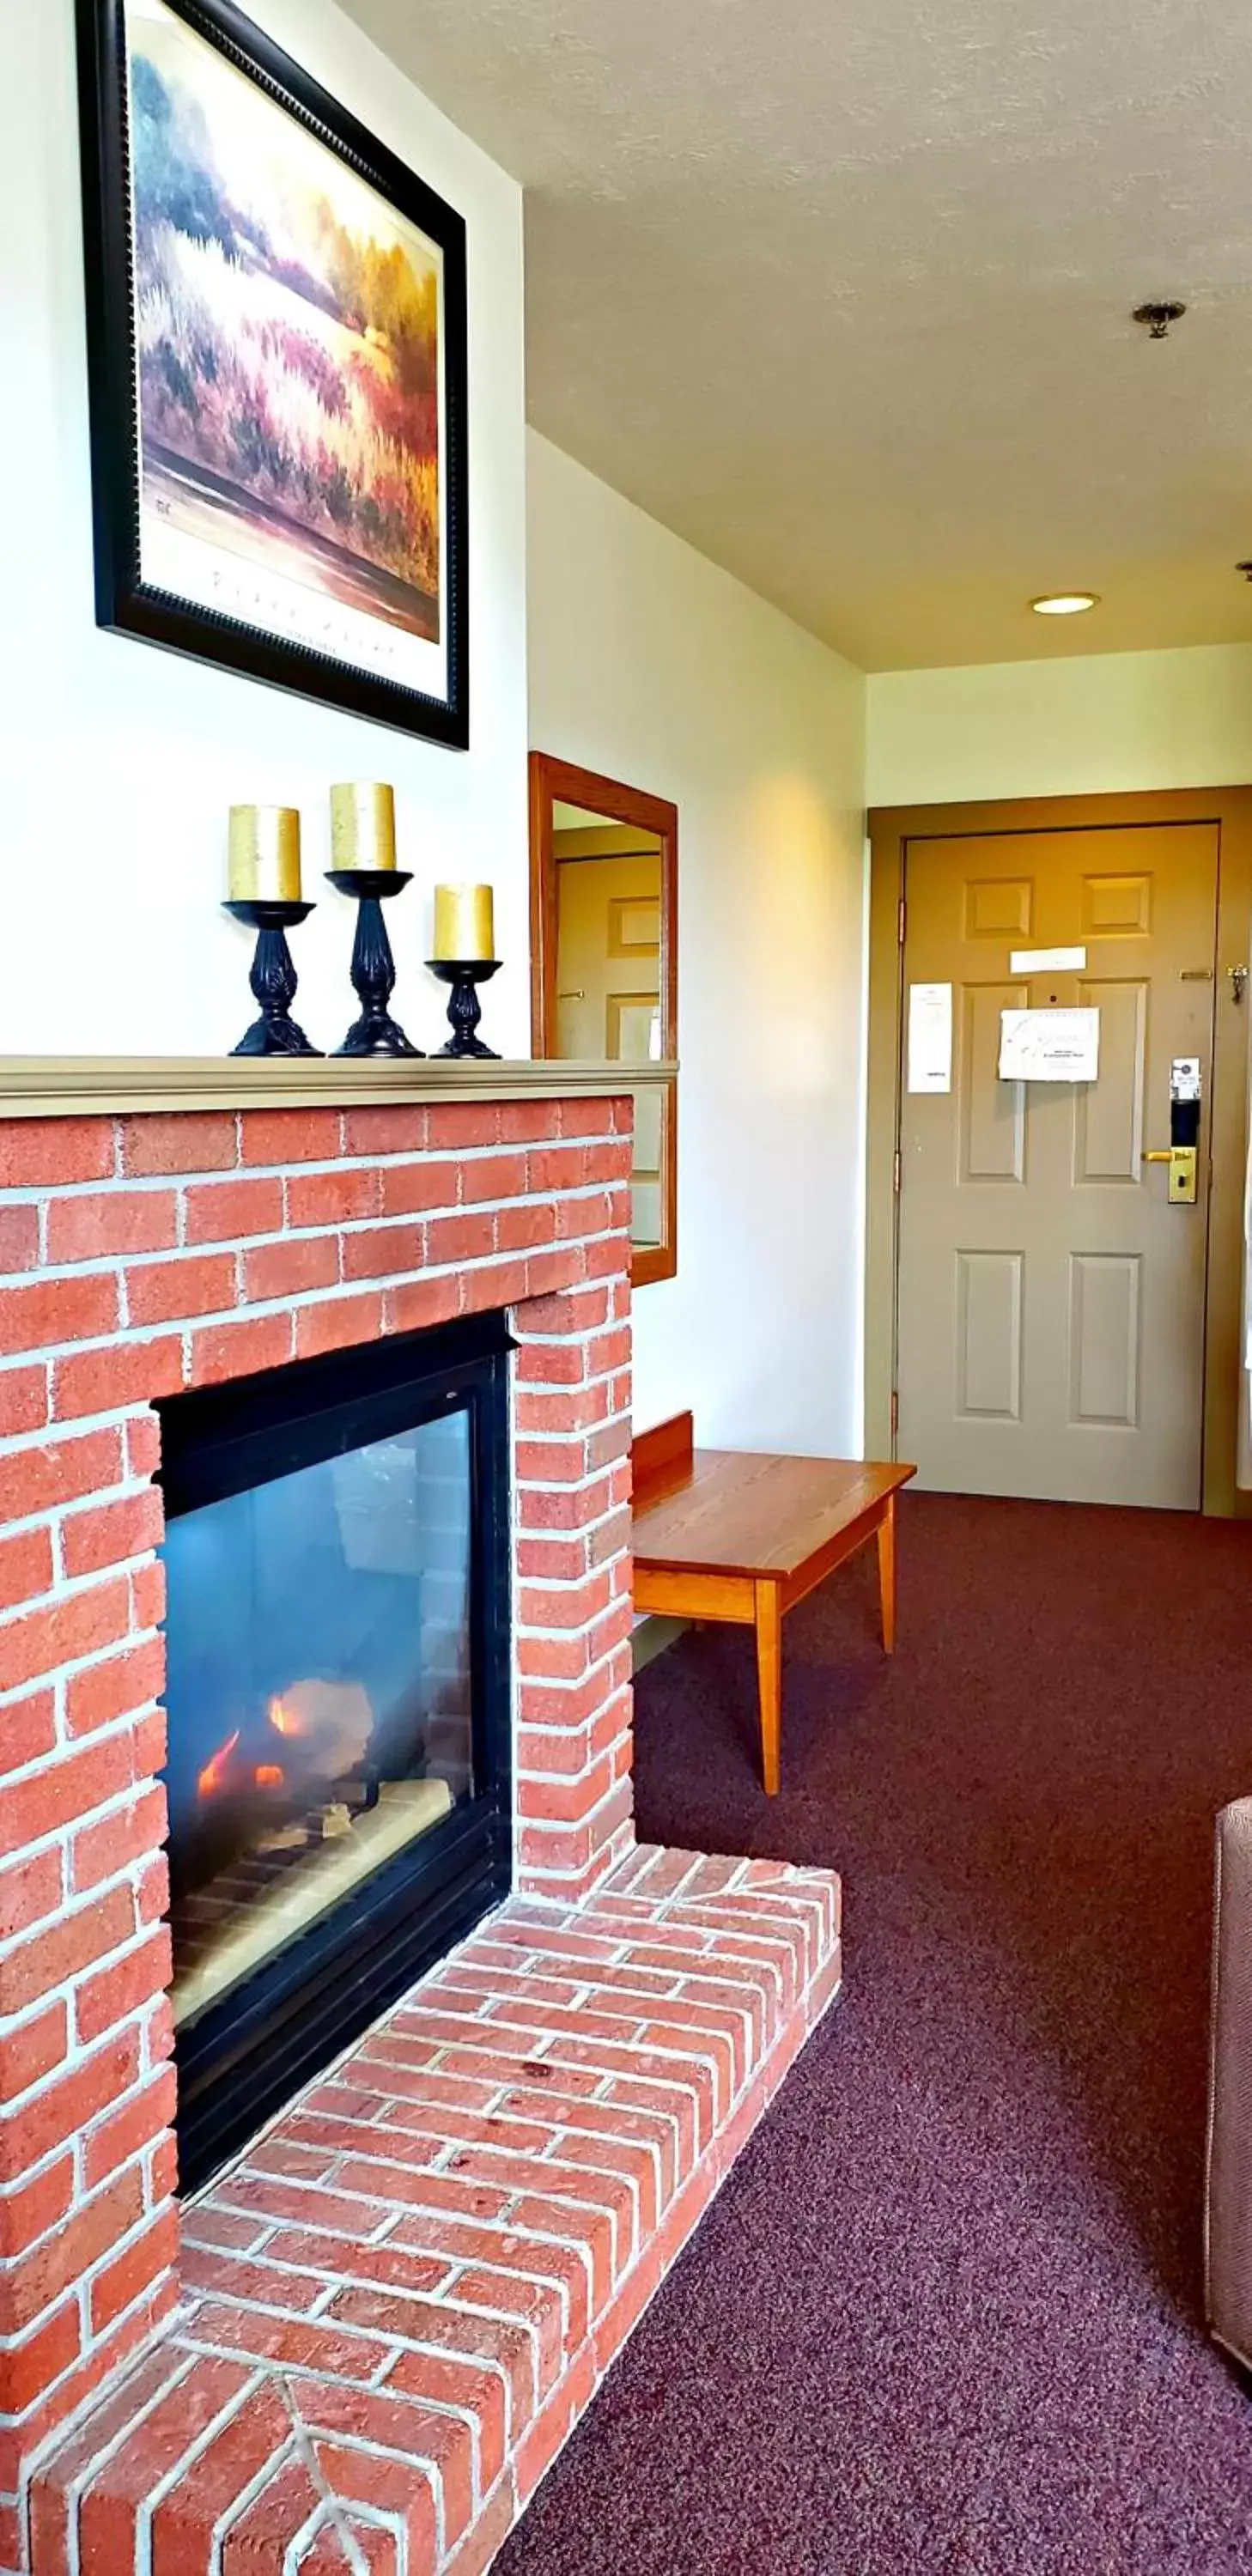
x,y
999,908
992,1113
1116,907
1051,1300
1108,1114
1104,1338
989,1334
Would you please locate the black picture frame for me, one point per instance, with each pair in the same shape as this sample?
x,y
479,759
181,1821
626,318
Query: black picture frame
x,y
125,602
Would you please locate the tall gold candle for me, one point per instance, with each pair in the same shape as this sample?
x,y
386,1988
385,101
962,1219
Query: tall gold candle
x,y
363,825
264,857
464,924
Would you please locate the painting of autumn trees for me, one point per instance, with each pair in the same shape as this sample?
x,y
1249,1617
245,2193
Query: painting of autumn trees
x,y
287,330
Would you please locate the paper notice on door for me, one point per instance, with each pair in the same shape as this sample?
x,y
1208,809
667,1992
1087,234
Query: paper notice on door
x,y
1047,961
1049,1046
930,1037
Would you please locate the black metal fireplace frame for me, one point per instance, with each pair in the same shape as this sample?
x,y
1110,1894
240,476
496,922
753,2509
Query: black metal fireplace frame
x,y
243,2058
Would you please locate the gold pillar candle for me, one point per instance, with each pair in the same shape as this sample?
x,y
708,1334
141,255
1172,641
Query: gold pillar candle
x,y
264,860
363,826
464,924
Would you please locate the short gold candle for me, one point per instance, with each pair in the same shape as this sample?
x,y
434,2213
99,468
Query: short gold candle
x,y
363,825
264,861
465,929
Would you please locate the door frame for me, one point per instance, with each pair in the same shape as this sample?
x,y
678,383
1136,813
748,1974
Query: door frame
x,y
891,828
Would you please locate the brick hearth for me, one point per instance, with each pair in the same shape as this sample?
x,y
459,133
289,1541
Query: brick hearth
x,y
403,2296
360,2348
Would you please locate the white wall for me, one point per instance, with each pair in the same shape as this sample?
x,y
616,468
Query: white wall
x,y
1083,725
649,664
118,762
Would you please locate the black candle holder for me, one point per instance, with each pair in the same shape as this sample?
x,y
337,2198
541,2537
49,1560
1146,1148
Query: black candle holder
x,y
373,966
273,979
463,1005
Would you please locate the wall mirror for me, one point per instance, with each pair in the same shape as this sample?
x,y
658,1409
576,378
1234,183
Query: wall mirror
x,y
604,950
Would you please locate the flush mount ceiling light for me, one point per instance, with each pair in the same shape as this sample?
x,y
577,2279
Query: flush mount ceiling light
x,y
1065,603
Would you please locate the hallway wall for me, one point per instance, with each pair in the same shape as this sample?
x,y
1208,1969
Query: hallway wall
x,y
651,665
1083,724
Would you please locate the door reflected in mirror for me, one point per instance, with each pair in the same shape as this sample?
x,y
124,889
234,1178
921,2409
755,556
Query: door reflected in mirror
x,y
604,873
608,971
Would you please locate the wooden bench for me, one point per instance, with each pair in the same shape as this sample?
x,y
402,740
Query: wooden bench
x,y
729,1534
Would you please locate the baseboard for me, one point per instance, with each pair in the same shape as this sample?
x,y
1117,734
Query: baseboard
x,y
652,1634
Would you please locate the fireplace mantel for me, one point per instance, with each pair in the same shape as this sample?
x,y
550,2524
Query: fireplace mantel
x,y
41,1086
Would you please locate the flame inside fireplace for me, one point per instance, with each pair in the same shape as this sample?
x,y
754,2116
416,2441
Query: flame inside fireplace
x,y
217,1773
213,1776
331,1721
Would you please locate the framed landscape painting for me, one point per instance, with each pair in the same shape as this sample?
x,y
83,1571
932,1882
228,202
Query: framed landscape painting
x,y
277,348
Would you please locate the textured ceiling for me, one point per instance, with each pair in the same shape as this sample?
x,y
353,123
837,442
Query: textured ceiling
x,y
839,290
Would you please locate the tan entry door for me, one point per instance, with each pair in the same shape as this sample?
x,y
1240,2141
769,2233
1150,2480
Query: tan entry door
x,y
1051,1299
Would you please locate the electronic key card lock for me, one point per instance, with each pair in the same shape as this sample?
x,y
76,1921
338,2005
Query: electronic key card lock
x,y
1183,1151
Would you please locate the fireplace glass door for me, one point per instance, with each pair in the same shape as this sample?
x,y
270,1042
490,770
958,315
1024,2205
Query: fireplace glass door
x,y
337,1605
325,1722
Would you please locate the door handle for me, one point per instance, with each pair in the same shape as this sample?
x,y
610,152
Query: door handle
x,y
1183,1161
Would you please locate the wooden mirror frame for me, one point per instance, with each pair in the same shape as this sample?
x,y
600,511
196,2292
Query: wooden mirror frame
x,y
559,782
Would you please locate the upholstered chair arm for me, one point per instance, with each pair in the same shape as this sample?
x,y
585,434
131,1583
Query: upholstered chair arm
x,y
1228,2195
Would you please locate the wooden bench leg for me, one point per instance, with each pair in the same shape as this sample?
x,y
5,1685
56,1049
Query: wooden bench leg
x,y
769,1682
887,1575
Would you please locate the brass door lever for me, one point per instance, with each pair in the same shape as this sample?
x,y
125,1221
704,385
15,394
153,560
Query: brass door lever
x,y
1184,1164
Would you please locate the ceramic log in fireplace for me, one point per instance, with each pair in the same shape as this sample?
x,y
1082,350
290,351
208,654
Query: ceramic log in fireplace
x,y
337,1567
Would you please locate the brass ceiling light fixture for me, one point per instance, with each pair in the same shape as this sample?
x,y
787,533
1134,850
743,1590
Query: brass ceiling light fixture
x,y
1156,318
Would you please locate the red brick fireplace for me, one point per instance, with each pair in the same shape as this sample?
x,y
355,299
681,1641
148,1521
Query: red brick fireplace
x,y
362,2345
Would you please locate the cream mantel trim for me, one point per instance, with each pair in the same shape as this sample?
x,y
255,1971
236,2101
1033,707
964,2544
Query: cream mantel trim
x,y
43,1086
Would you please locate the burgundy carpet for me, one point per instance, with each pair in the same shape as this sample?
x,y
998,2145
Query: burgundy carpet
x,y
946,2315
